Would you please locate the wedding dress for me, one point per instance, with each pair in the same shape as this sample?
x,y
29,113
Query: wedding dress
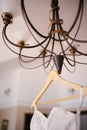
x,y
58,119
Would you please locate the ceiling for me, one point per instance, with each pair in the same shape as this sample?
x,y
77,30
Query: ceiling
x,y
22,86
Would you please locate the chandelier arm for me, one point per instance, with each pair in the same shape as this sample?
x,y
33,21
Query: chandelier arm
x,y
45,48
57,14
50,58
48,50
57,17
85,54
31,67
52,50
50,38
58,22
80,21
77,40
5,35
51,68
45,66
15,51
81,2
63,51
66,47
51,10
51,55
34,58
75,33
48,63
68,53
70,44
7,45
22,55
69,69
79,25
32,33
74,60
27,18
64,54
53,28
84,63
53,23
26,22
4,30
27,61
56,29
59,27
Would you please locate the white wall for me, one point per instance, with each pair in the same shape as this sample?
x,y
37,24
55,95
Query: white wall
x,y
31,82
9,89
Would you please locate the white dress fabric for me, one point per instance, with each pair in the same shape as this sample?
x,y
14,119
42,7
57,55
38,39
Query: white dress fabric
x,y
59,119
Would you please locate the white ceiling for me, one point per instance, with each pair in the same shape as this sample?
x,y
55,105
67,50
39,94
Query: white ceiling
x,y
26,84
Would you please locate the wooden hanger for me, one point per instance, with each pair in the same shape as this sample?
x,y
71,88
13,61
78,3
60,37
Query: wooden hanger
x,y
54,76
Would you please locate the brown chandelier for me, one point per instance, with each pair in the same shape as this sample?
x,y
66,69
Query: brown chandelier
x,y
51,55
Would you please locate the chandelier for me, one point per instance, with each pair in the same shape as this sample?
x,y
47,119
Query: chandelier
x,y
53,50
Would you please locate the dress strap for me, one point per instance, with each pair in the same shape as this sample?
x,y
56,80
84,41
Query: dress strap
x,y
81,100
35,107
78,119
